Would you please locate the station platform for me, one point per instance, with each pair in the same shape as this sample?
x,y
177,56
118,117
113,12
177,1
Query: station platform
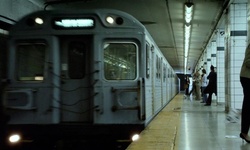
x,y
186,124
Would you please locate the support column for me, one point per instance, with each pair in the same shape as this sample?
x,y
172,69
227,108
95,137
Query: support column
x,y
236,37
209,52
213,54
214,63
204,58
220,53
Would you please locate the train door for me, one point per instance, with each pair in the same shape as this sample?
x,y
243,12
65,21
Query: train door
x,y
3,56
168,83
164,89
153,77
162,80
157,100
149,80
33,77
75,75
120,73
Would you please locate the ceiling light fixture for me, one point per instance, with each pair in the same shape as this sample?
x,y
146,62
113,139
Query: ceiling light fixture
x,y
188,12
187,35
187,29
187,39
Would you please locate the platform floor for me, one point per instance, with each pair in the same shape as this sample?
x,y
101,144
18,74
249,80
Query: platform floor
x,y
186,124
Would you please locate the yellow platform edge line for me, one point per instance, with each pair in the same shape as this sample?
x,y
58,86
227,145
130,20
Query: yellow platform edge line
x,y
162,132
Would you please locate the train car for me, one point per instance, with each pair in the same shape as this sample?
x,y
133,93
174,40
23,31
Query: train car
x,y
89,74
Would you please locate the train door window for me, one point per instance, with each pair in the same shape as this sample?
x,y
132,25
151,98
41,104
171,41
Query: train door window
x,y
76,59
3,55
168,73
160,67
147,60
30,61
156,66
164,72
120,61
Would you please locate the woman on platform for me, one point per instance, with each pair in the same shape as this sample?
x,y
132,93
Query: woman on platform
x,y
245,82
203,85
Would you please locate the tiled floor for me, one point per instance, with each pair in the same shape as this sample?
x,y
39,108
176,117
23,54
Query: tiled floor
x,y
186,124
208,128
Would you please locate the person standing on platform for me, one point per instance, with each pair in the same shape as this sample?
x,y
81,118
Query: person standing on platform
x,y
193,91
212,85
203,85
186,86
245,82
197,85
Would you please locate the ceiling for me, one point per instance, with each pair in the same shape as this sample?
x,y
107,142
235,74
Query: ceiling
x,y
164,19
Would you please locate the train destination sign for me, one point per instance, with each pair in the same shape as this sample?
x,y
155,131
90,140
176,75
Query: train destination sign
x,y
74,23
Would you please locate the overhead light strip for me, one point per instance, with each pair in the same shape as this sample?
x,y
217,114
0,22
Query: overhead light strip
x,y
187,39
187,30
188,12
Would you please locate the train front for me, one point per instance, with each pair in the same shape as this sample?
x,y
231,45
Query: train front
x,y
74,77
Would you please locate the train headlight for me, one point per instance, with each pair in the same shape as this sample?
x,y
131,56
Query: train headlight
x,y
39,20
135,137
114,20
14,138
110,20
34,21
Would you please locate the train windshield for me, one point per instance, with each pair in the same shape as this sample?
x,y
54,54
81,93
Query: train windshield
x,y
30,61
120,61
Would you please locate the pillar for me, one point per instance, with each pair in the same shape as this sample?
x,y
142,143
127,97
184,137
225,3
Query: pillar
x,y
220,54
235,44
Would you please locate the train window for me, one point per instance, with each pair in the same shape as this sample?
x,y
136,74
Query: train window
x,y
156,66
148,60
168,73
163,73
76,59
30,61
3,55
120,61
160,67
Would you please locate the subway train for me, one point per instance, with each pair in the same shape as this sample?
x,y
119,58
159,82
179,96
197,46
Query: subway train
x,y
80,75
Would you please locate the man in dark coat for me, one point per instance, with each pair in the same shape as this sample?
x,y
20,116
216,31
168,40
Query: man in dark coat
x,y
212,85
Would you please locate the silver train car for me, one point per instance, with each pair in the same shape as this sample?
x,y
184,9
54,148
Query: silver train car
x,y
83,74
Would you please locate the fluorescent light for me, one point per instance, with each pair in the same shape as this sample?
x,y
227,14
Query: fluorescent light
x,y
185,62
187,29
185,65
188,12
187,39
